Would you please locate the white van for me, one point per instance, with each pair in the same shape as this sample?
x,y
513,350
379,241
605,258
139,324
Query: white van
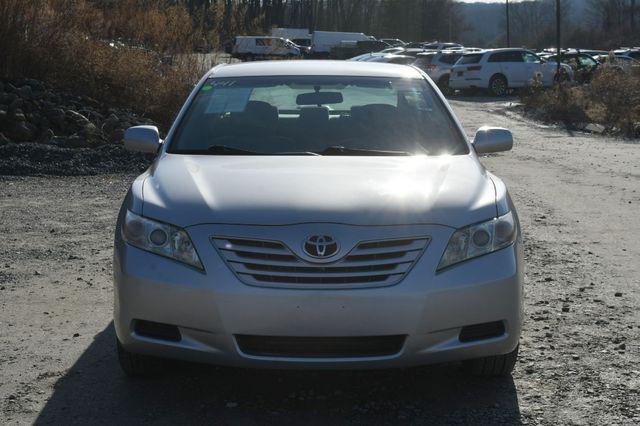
x,y
249,47
323,41
291,33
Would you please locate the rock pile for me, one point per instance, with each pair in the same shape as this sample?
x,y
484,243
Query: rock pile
x,y
48,131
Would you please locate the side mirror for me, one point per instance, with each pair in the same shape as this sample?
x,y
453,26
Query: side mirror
x,y
492,139
142,139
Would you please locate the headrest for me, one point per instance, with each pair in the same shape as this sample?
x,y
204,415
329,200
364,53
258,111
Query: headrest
x,y
374,112
315,115
261,112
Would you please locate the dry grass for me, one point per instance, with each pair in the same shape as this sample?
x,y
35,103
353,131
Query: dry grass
x,y
612,99
113,52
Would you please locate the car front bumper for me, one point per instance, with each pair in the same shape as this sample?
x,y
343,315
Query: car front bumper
x,y
212,308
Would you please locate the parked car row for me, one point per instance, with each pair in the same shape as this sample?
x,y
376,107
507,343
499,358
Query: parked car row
x,y
497,70
298,42
451,65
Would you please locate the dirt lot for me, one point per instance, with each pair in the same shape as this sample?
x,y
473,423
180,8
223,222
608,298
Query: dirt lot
x,y
579,200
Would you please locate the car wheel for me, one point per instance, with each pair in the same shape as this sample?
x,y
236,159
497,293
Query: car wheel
x,y
498,85
443,84
497,365
136,365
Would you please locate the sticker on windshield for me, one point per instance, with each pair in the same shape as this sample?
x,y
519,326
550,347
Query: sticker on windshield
x,y
228,99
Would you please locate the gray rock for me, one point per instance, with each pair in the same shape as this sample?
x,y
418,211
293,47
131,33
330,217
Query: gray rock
x,y
57,117
111,123
3,139
595,128
16,104
116,135
7,98
77,118
36,85
17,115
91,134
76,141
38,120
23,132
47,136
25,92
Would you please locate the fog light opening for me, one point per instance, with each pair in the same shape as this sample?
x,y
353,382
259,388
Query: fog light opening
x,y
156,330
487,330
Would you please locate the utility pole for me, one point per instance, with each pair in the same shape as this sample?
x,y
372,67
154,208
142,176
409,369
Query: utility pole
x,y
558,39
508,29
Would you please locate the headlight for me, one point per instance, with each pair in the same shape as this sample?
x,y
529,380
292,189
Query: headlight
x,y
160,238
479,239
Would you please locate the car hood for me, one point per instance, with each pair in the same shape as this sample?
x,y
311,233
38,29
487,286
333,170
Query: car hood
x,y
187,190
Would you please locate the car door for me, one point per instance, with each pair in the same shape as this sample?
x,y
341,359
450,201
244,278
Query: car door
x,y
261,46
279,47
512,66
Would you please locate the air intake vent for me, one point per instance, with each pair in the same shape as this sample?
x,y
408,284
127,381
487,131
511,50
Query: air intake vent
x,y
483,331
273,264
157,330
320,347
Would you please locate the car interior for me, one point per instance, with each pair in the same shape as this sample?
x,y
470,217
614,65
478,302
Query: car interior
x,y
261,127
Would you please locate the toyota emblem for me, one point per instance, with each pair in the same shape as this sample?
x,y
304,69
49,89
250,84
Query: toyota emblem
x,y
320,246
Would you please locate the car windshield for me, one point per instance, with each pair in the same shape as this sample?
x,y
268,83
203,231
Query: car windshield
x,y
311,115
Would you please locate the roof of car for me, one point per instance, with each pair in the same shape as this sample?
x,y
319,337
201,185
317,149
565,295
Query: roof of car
x,y
312,67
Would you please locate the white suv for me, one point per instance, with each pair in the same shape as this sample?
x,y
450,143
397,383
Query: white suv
x,y
438,66
501,69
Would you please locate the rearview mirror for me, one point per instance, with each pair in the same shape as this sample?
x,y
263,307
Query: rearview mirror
x,y
492,139
142,139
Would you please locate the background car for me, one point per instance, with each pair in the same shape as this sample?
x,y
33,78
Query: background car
x,y
499,70
584,66
443,46
434,46
393,41
392,59
249,47
349,49
620,62
396,49
438,66
631,52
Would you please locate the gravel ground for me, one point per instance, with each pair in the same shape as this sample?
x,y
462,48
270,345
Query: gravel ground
x,y
579,200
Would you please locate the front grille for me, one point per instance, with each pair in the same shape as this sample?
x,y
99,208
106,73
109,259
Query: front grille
x,y
272,263
320,347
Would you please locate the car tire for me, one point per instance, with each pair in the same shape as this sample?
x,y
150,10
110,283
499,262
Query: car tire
x,y
491,366
498,85
136,365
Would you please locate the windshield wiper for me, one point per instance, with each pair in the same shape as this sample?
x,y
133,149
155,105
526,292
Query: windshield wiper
x,y
227,150
341,150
